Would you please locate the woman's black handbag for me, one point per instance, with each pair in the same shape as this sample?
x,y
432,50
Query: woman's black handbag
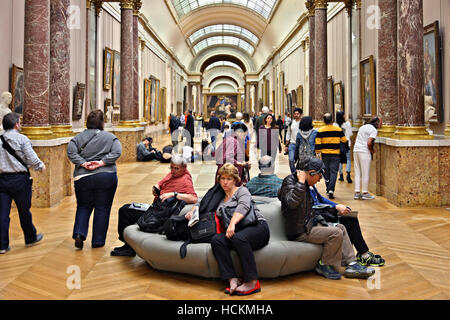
x,y
250,219
201,232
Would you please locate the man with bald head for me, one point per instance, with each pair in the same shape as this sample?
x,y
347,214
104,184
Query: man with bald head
x,y
266,184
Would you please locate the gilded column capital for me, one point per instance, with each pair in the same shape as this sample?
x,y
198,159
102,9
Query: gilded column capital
x,y
320,4
349,7
137,5
98,7
310,6
142,42
88,4
126,4
358,4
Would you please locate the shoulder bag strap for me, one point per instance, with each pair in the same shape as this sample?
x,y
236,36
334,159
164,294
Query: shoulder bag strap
x,y
12,152
87,142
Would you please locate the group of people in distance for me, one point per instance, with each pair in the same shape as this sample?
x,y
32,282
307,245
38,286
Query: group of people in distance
x,y
95,152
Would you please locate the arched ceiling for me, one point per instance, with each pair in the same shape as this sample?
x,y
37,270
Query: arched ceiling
x,y
223,77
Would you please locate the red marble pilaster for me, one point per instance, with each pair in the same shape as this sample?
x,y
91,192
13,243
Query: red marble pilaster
x,y
320,61
87,90
127,112
137,6
36,63
59,63
410,63
387,63
311,84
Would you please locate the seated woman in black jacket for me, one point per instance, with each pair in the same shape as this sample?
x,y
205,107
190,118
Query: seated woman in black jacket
x,y
243,241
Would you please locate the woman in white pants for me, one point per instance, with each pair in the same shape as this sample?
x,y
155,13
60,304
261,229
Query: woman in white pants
x,y
362,156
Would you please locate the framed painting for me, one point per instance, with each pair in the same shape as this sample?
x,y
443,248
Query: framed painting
x,y
300,96
116,80
367,84
223,104
78,99
17,89
330,95
432,73
158,101
338,96
152,99
294,98
107,68
147,102
163,104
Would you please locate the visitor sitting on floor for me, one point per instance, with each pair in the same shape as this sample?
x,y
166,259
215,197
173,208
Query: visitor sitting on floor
x,y
167,154
266,183
145,151
176,184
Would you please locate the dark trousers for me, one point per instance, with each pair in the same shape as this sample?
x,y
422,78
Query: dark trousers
x,y
354,233
94,192
331,163
17,187
244,242
127,217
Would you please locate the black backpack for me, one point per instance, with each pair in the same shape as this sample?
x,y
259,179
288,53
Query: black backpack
x,y
153,219
176,228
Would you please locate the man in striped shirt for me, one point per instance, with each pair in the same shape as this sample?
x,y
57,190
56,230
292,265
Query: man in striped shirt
x,y
328,143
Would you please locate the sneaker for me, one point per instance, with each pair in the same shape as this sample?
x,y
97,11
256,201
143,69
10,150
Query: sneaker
x,y
349,179
367,196
357,270
2,251
39,237
357,196
374,260
341,177
327,271
331,194
123,251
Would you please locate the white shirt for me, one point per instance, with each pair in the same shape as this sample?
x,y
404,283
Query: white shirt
x,y
364,133
292,131
347,128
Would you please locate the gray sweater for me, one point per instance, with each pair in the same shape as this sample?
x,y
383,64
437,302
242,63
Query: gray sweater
x,y
97,145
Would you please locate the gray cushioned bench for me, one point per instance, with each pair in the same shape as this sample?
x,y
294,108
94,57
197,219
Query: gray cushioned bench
x,y
279,258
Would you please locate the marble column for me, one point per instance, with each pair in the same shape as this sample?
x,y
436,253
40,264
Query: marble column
x,y
387,67
411,124
357,112
311,83
127,112
320,61
198,96
136,47
247,97
59,103
87,90
36,69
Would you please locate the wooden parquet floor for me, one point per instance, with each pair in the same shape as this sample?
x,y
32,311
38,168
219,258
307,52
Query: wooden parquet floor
x,y
414,242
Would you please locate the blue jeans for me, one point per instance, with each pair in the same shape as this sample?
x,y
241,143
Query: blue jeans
x,y
94,192
17,187
348,165
291,149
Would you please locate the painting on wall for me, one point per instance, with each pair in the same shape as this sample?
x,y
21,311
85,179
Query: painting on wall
x,y
107,68
367,78
116,79
17,89
152,99
223,105
338,96
78,99
330,95
432,73
147,103
163,104
300,96
158,101
294,98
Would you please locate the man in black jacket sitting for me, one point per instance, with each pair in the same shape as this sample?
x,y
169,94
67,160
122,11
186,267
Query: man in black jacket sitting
x,y
298,195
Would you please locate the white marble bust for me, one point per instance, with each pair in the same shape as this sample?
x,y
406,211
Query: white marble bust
x,y
109,116
6,99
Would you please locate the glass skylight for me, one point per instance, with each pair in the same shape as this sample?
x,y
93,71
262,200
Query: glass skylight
x,y
223,63
228,28
262,7
224,40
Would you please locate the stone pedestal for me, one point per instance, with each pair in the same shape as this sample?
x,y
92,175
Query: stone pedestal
x,y
411,173
51,186
129,138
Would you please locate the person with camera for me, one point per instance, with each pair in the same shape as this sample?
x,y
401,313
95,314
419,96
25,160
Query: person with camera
x,y
177,184
298,196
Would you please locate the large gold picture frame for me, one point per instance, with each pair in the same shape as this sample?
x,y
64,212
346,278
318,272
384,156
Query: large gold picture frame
x,y
300,96
432,71
116,79
367,81
17,89
108,68
338,97
147,102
